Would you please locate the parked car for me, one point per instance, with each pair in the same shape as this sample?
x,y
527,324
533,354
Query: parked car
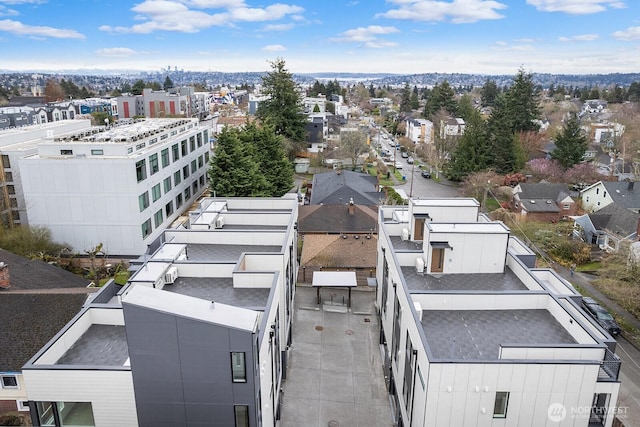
x,y
405,155
398,165
425,174
410,160
602,316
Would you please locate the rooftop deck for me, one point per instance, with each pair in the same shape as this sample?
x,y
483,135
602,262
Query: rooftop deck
x,y
100,345
478,334
224,253
506,281
405,245
220,290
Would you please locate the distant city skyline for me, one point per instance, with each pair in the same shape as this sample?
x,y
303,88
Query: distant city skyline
x,y
373,36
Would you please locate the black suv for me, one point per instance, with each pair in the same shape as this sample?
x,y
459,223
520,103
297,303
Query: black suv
x,y
425,174
601,315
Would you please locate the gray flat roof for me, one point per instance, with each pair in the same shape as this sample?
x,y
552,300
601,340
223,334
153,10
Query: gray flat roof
x,y
506,281
224,253
405,245
101,345
477,334
255,227
220,290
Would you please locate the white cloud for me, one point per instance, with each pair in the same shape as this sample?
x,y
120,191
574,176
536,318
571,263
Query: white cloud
x,y
580,38
23,1
16,27
277,27
170,15
456,11
5,11
116,51
274,48
576,7
368,36
506,47
631,33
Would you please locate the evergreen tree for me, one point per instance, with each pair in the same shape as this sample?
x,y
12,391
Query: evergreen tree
x,y
465,107
414,100
442,98
138,87
501,138
522,103
271,158
488,93
571,143
473,152
405,102
282,110
234,172
168,83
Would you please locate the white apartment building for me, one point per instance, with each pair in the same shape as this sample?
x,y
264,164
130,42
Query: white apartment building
x,y
120,186
198,336
183,101
472,334
419,131
19,142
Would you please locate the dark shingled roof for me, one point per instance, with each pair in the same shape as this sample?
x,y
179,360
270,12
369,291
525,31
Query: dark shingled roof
x,y
554,192
625,194
35,274
338,188
40,301
616,219
28,321
336,219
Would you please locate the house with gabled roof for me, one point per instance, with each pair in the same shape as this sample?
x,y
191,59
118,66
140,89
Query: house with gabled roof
x,y
603,193
342,186
608,227
37,299
543,202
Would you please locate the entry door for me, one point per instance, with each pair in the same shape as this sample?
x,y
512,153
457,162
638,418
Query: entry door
x,y
437,260
418,229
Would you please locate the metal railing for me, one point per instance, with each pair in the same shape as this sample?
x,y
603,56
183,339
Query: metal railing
x,y
609,367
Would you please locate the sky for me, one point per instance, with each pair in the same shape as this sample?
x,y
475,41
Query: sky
x,y
360,36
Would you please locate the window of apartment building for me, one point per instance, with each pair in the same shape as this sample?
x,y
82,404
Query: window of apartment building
x,y
23,405
64,413
143,201
153,141
97,152
9,381
201,180
153,163
187,194
146,228
178,201
155,192
167,184
183,148
194,187
175,152
200,161
157,218
194,166
13,202
566,206
6,163
604,194
177,177
141,170
168,209
11,189
500,405
395,339
66,152
597,191
199,138
409,366
238,368
192,143
206,136
241,415
164,155
206,157
185,172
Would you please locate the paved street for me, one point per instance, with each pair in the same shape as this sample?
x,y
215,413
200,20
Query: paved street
x,y
335,372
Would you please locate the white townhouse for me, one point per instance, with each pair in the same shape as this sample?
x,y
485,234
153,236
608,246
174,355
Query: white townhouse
x,y
119,185
419,131
198,336
472,334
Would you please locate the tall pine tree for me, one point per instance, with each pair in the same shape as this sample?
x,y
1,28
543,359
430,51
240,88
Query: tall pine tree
x,y
501,138
473,152
571,143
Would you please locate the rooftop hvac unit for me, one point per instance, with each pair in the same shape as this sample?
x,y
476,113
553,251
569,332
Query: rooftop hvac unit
x,y
418,307
405,234
219,222
419,265
171,275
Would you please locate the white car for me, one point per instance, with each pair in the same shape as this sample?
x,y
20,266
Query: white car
x,y
398,165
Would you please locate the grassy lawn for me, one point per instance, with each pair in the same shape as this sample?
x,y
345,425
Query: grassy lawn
x,y
492,204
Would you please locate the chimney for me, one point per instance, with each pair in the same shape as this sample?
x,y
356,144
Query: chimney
x,y
4,276
352,207
630,187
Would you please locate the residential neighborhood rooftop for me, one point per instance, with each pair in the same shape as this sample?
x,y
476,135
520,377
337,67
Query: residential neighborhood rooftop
x,y
492,282
220,290
100,345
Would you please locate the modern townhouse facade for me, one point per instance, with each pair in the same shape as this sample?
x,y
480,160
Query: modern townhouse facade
x,y
182,101
119,185
199,336
419,131
15,144
472,334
